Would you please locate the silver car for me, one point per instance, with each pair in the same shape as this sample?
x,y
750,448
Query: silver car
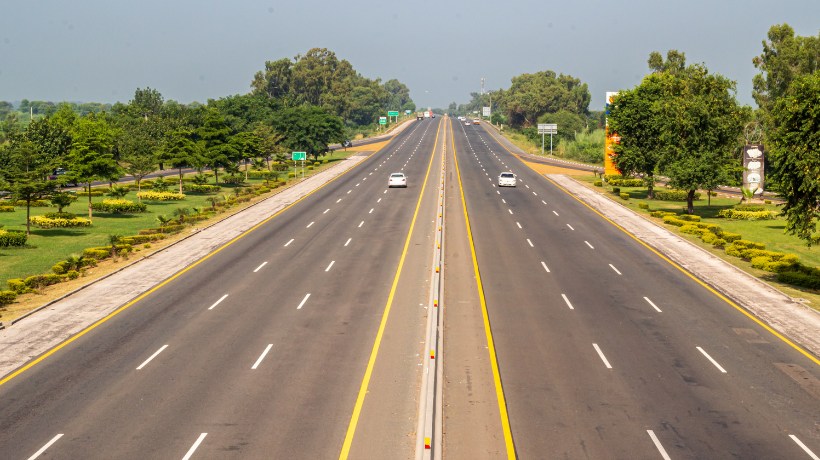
x,y
506,179
397,180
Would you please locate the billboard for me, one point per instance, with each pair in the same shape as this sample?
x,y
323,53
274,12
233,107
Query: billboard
x,y
611,139
753,170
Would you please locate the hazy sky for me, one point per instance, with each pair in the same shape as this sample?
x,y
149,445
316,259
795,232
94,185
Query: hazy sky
x,y
102,50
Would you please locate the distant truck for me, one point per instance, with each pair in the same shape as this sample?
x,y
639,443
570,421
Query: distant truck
x,y
419,115
428,114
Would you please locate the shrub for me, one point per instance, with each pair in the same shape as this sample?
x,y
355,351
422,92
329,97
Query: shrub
x,y
708,237
233,179
118,206
60,215
7,297
730,237
626,182
196,188
316,163
616,190
139,239
643,206
746,215
172,228
799,278
118,191
94,192
45,222
6,208
689,217
673,195
598,183
767,201
72,274
201,179
624,195
291,175
17,285
160,196
41,281
96,253
309,168
34,203
749,207
746,244
324,161
673,220
661,214
160,184
719,243
693,230
12,239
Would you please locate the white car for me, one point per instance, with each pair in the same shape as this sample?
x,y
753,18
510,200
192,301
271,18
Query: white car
x,y
397,180
506,179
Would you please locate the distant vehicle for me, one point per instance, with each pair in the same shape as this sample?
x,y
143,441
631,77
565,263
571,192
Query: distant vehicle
x,y
476,121
347,143
62,175
506,179
419,115
427,114
397,180
468,123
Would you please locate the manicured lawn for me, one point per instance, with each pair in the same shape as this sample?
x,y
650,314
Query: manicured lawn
x,y
49,246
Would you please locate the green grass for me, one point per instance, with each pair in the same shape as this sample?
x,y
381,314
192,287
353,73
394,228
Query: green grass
x,y
49,246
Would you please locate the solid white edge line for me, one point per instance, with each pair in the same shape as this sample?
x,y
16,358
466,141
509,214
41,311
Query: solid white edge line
x,y
601,354
653,305
48,444
262,356
194,447
260,266
567,301
531,245
302,303
711,359
288,243
613,267
545,266
348,241
803,446
658,445
590,246
218,302
144,363
330,265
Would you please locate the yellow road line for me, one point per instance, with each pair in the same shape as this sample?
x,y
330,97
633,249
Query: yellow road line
x,y
102,320
692,276
371,363
499,389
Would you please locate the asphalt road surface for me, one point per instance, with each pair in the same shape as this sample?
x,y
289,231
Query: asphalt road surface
x,y
261,350
607,351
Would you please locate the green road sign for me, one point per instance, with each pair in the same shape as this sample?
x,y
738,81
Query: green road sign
x,y
299,156
392,113
382,120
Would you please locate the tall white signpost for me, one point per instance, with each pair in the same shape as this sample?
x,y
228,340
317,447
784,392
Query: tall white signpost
x,y
296,156
547,128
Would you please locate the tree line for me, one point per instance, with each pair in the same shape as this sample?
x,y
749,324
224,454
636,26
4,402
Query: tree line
x,y
305,104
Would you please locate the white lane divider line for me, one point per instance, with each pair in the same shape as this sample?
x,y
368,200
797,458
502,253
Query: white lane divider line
x,y
330,265
338,201
510,210
504,201
379,200
260,266
613,267
721,369
653,304
601,354
262,356
534,193
567,301
555,213
498,192
144,363
570,227
371,210
385,191
358,184
194,447
288,243
525,185
658,445
799,443
218,302
590,246
348,192
302,303
530,242
543,201
361,223
545,266
326,211
310,224
48,444
519,224
348,241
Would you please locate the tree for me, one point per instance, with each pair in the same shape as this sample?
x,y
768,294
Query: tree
x,y
179,151
146,103
50,139
273,82
25,169
794,153
784,58
398,95
215,135
532,95
248,145
309,129
137,151
91,157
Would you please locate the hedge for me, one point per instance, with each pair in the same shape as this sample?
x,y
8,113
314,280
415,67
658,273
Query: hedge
x,y
194,188
689,217
140,239
12,239
7,297
93,193
643,206
626,182
598,183
809,280
661,214
119,206
749,207
60,215
746,215
34,203
17,285
45,222
674,195
6,208
161,196
624,195
171,228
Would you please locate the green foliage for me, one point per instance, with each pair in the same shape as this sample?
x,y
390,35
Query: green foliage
x,y
159,185
61,200
41,281
45,222
12,239
7,297
625,182
308,129
6,208
532,95
746,215
94,192
234,179
60,215
661,214
195,188
17,285
643,205
118,191
616,190
115,206
624,195
158,196
689,217
799,278
598,183
749,207
674,195
730,237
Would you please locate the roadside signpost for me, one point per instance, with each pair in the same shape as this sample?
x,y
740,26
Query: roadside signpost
x,y
297,156
486,111
547,128
393,113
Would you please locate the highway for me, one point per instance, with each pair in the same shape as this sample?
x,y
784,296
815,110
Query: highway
x,y
259,351
564,337
605,350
